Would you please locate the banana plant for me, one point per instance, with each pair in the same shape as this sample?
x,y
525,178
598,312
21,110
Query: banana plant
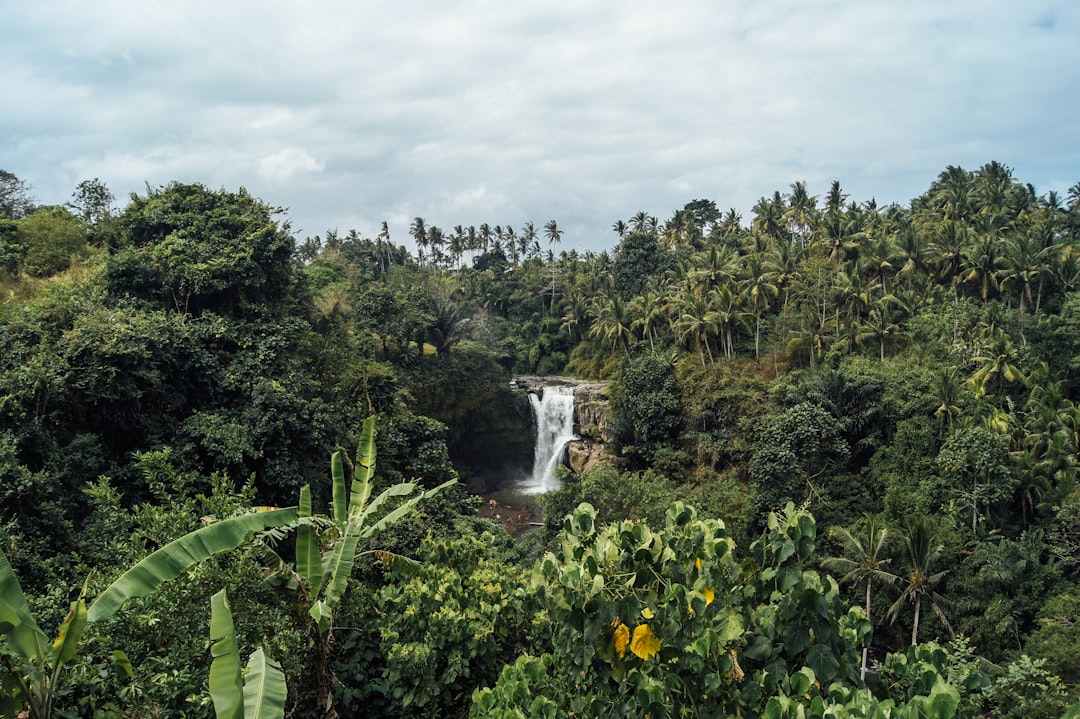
x,y
31,672
261,693
30,668
325,572
325,558
182,554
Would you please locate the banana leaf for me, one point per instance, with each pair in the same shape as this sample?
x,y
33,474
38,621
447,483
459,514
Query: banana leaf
x,y
365,468
308,554
66,645
16,623
264,689
226,687
178,556
339,497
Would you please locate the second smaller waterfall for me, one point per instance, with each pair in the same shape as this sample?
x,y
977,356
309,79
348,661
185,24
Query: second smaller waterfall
x,y
553,409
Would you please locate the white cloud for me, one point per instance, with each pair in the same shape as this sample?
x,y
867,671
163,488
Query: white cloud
x,y
283,164
583,112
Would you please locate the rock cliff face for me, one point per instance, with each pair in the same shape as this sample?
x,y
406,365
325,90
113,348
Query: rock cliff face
x,y
591,408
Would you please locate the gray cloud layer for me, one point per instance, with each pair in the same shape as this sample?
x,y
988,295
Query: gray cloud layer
x,y
477,111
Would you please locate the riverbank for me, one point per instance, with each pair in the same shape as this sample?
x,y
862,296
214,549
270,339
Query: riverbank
x,y
514,513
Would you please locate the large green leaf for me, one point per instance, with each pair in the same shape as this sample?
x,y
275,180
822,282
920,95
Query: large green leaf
x,y
339,569
365,468
398,512
338,497
226,687
264,689
16,622
361,518
308,556
67,639
178,556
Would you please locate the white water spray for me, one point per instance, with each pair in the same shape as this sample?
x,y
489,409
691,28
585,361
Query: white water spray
x,y
553,411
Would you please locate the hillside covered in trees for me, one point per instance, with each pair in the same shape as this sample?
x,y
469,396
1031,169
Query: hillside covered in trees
x,y
839,478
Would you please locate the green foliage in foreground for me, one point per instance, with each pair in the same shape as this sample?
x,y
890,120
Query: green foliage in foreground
x,y
669,623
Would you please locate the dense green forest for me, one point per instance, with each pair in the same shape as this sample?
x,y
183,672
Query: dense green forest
x,y
839,477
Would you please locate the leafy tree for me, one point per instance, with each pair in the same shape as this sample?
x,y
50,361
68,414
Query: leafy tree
x,y
446,629
646,406
52,237
195,251
15,199
92,201
663,623
638,259
976,459
792,454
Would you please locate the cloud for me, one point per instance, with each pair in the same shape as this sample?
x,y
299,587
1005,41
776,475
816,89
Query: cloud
x,y
283,164
478,111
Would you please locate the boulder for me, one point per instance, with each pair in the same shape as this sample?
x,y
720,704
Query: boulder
x,y
583,455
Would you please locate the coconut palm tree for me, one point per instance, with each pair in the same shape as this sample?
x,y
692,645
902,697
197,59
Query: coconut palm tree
x,y
695,322
947,389
921,551
998,361
418,231
864,561
612,323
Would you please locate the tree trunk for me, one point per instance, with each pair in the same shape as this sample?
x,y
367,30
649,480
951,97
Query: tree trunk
x,y
915,626
865,650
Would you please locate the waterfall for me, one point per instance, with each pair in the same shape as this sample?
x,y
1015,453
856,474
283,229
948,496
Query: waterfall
x,y
553,410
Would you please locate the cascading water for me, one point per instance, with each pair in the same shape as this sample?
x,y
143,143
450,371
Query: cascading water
x,y
553,410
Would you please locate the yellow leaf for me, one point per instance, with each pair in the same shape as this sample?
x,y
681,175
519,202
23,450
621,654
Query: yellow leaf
x,y
622,638
647,613
644,644
697,563
710,595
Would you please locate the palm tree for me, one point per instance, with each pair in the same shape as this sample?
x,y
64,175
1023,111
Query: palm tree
x,y
620,228
647,310
947,388
878,259
612,323
554,237
951,193
528,237
695,322
879,326
419,233
801,212
727,315
769,217
864,561
384,251
998,362
641,221
761,291
921,551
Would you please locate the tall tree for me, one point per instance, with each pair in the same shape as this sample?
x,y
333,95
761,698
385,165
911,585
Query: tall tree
x,y
864,561
92,201
920,552
15,198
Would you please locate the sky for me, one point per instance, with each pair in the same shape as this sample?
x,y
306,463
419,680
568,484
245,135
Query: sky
x,y
352,113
